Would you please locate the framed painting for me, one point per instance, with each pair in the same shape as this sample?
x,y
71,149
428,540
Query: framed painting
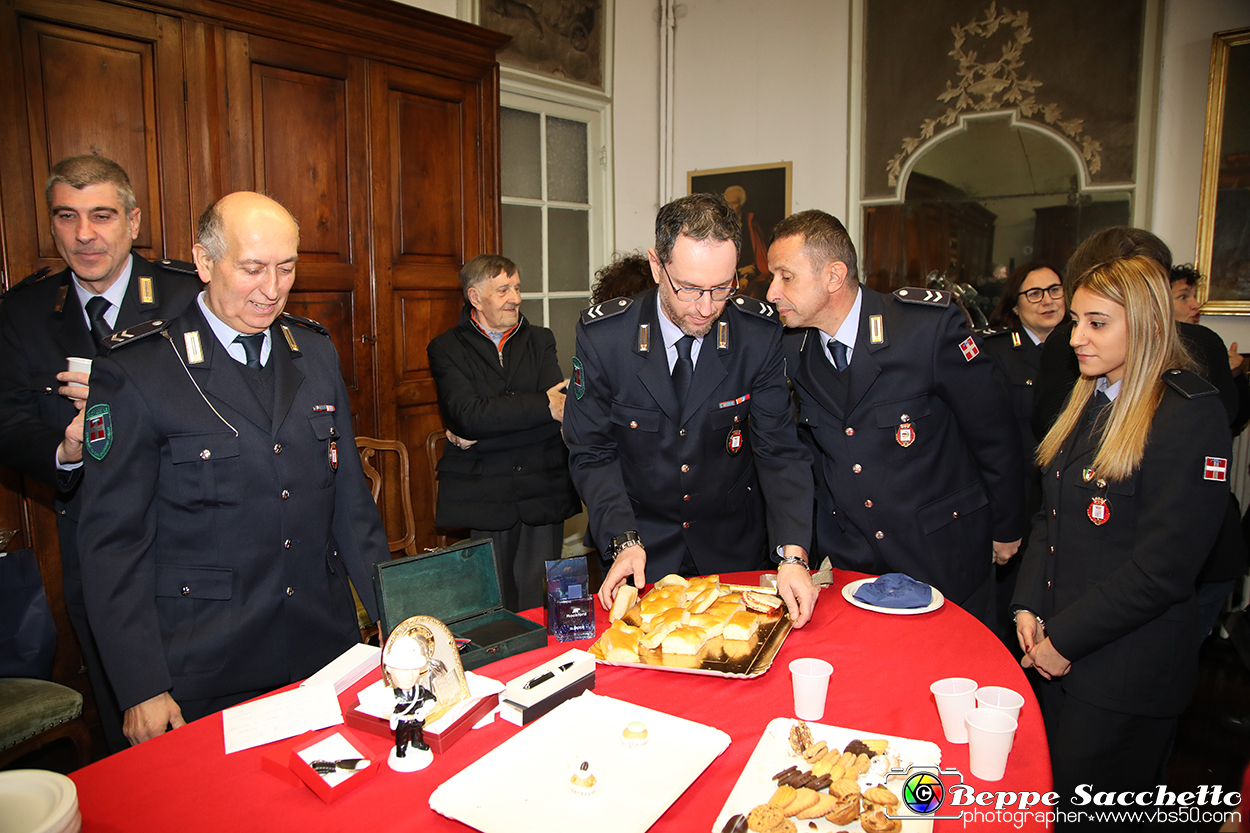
x,y
760,194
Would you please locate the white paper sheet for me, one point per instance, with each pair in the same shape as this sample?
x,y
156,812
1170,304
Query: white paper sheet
x,y
347,669
281,716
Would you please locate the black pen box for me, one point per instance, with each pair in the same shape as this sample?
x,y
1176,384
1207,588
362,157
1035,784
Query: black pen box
x,y
458,586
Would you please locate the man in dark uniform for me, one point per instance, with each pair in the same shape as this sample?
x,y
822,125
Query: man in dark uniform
x,y
48,318
681,437
224,506
504,473
918,457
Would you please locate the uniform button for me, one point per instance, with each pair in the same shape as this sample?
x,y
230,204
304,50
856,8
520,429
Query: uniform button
x,y
880,535
954,514
1053,513
286,545
334,432
685,525
904,418
63,511
277,448
186,591
850,432
1048,585
868,504
633,424
681,433
1052,549
516,468
1028,383
857,468
47,391
205,454
285,494
290,591
685,469
685,497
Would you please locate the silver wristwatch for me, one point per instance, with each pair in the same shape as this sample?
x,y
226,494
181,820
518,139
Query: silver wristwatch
x,y
622,542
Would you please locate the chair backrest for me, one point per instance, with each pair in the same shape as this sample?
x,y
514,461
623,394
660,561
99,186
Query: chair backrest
x,y
434,443
369,448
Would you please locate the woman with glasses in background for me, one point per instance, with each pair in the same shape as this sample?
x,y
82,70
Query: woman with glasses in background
x,y
1031,306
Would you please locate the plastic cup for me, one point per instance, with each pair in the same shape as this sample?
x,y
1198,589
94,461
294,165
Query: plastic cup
x,y
78,365
990,735
998,697
955,697
811,683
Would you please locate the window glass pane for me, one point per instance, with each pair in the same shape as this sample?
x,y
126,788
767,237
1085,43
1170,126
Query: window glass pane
x,y
523,242
566,161
569,246
520,152
532,309
564,315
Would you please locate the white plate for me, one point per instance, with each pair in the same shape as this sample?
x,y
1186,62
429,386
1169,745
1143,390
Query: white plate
x,y
848,593
523,784
772,755
38,801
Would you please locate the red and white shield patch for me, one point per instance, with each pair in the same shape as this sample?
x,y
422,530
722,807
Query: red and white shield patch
x,y
969,348
1216,468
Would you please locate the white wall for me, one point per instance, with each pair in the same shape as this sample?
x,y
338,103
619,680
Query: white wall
x,y
446,7
636,123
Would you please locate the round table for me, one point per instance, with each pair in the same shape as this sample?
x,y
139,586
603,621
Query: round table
x,y
883,665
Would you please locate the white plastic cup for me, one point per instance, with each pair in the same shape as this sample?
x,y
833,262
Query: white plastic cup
x,y
77,365
990,735
955,697
810,677
997,697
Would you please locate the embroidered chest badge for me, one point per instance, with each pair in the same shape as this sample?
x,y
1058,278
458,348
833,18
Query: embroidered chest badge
x,y
334,456
1099,511
906,434
579,379
98,428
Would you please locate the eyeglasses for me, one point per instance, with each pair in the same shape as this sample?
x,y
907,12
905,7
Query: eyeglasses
x,y
693,293
1034,295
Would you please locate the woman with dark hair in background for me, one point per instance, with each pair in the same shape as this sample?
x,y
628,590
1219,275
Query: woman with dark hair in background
x,y
1134,490
1031,305
625,276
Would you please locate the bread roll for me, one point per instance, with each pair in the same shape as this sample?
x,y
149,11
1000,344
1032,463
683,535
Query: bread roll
x,y
672,580
620,643
684,640
714,625
653,639
742,625
625,598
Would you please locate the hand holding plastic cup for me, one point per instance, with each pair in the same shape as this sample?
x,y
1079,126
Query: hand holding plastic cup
x,y
955,697
810,677
990,735
77,365
998,697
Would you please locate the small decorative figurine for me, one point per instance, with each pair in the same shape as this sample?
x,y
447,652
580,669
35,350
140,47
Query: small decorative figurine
x,y
421,666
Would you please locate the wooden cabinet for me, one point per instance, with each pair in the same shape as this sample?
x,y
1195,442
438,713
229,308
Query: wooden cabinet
x,y
375,123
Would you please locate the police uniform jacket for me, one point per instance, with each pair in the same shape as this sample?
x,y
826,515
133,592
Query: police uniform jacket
x,y
1018,360
725,476
1118,598
42,325
217,540
518,470
918,465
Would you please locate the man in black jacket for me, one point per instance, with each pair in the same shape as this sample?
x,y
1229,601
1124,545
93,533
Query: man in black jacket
x,y
44,320
504,473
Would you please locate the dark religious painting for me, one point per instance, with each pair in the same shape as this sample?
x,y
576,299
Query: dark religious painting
x,y
1071,66
760,194
563,38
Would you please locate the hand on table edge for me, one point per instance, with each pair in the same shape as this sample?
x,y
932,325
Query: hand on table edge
x,y
797,590
631,561
153,717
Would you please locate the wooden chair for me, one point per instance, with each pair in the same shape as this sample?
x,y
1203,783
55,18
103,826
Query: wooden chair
x,y
370,450
434,443
35,713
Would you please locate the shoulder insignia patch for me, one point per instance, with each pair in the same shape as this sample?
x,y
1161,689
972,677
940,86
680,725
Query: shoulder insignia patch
x,y
306,322
607,309
1188,384
920,295
133,334
179,266
755,306
578,380
30,279
98,430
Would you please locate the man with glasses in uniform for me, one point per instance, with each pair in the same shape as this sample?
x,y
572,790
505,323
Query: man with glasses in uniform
x,y
681,438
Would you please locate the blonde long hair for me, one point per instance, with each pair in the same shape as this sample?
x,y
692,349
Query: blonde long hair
x,y
1140,285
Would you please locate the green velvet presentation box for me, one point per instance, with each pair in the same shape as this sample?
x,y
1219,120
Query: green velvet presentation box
x,y
458,586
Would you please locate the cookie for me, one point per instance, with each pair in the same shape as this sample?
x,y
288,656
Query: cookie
x,y
877,745
861,762
804,799
824,804
847,760
764,818
784,795
815,751
786,826
876,822
880,797
845,810
845,787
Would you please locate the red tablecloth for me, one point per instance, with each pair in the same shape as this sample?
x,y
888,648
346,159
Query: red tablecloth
x,y
883,666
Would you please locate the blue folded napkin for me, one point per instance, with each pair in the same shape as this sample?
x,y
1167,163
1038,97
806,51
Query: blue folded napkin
x,y
895,590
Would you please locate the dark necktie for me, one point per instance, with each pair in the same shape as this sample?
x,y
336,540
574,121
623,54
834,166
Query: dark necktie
x,y
683,368
838,351
251,346
100,329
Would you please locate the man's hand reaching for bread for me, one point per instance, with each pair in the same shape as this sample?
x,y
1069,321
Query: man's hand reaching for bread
x,y
631,561
795,586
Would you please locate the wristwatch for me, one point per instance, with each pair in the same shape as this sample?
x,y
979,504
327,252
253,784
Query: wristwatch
x,y
622,542
793,559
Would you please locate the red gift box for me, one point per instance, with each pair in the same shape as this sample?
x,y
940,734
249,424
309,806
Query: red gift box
x,y
318,784
439,741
